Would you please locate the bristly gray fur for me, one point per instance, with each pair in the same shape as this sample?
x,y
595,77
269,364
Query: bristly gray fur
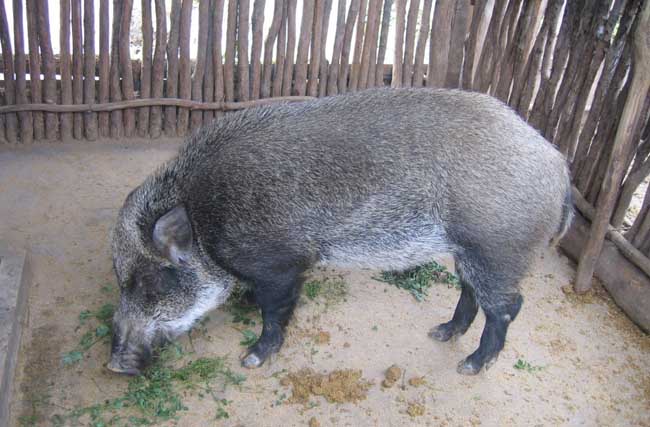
x,y
383,178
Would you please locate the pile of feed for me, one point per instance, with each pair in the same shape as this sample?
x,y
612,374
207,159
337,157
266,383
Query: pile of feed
x,y
392,375
338,386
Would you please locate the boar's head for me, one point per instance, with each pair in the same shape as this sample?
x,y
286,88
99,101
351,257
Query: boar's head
x,y
166,281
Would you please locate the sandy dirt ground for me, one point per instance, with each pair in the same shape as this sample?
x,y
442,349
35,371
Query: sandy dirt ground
x,y
59,201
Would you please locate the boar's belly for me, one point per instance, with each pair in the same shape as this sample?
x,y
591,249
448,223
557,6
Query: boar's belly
x,y
388,250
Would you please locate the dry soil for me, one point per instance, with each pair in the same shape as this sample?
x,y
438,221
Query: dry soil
x,y
59,201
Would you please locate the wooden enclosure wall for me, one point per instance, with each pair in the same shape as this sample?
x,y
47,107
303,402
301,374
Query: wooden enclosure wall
x,y
566,66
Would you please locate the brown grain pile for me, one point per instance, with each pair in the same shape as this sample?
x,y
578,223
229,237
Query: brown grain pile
x,y
415,409
338,386
391,376
417,381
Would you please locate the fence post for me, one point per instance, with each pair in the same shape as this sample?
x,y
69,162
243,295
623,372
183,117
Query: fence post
x,y
90,119
7,56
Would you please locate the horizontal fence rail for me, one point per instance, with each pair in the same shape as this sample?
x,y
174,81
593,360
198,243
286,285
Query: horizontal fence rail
x,y
572,69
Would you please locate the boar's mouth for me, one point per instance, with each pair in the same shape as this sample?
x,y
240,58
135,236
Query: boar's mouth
x,y
129,363
131,352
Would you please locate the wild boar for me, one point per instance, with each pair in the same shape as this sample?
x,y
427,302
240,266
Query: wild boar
x,y
384,178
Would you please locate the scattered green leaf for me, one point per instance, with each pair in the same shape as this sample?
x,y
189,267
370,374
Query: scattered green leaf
x,y
107,289
72,357
221,411
101,333
85,315
242,310
28,420
419,279
156,395
312,289
327,290
523,365
280,399
249,338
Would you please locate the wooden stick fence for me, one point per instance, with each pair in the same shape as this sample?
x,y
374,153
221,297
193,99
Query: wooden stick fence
x,y
571,68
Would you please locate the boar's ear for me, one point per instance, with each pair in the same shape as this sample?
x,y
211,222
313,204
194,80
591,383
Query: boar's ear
x,y
172,235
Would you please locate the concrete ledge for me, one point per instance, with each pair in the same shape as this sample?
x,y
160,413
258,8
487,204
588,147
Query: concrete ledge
x,y
13,303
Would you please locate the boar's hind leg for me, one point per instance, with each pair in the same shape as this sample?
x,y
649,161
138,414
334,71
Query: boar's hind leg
x,y
277,300
495,284
463,316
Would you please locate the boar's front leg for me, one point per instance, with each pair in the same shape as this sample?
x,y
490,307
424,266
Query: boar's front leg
x,y
276,294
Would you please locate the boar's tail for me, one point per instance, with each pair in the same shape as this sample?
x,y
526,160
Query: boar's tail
x,y
567,215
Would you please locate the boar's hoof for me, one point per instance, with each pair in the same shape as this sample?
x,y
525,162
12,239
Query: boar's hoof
x,y
122,371
467,367
252,361
443,332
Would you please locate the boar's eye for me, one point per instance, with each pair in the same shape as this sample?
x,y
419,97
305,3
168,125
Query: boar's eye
x,y
158,283
172,235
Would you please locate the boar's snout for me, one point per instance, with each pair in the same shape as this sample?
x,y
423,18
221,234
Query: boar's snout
x,y
130,351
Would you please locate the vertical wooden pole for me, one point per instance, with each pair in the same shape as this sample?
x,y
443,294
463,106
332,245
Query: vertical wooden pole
x,y
77,67
439,43
217,26
355,64
470,45
34,67
276,22
256,49
521,52
332,87
49,70
117,125
561,60
418,68
314,64
398,59
158,73
287,78
242,50
456,42
369,51
530,72
66,71
383,40
11,120
145,79
344,70
280,52
303,48
196,117
231,38
26,121
184,71
126,70
172,66
90,119
104,67
322,80
208,76
545,98
409,42
483,75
